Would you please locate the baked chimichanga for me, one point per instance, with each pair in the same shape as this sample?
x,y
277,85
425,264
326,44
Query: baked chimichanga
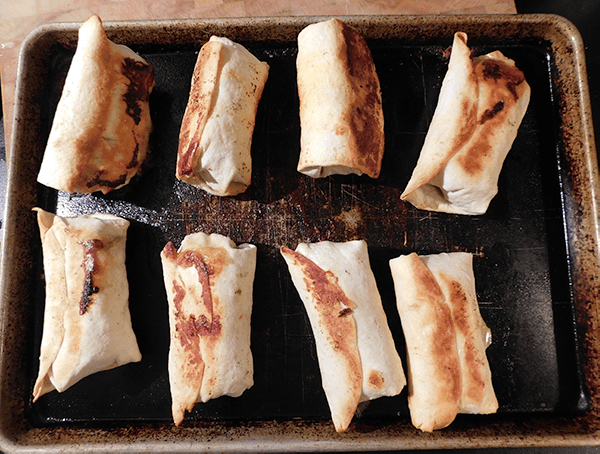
x,y
209,283
480,108
87,325
216,132
355,349
446,338
454,274
100,132
341,115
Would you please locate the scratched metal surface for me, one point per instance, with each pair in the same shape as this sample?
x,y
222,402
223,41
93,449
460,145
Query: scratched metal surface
x,y
519,244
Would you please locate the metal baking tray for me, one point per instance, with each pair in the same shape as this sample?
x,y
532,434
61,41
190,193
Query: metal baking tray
x,y
536,249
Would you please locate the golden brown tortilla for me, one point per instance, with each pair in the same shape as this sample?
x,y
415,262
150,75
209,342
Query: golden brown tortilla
x,y
480,108
434,381
341,115
100,132
87,325
216,132
209,287
355,349
446,338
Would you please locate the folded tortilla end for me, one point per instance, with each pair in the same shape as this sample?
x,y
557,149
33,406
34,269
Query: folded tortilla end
x,y
178,414
406,193
38,390
342,422
435,424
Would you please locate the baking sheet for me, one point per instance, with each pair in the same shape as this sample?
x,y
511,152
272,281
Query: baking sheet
x,y
523,253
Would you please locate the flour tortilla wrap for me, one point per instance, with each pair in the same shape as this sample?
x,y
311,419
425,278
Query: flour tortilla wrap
x,y
216,132
454,274
87,325
434,379
480,108
356,352
446,338
209,283
100,132
341,116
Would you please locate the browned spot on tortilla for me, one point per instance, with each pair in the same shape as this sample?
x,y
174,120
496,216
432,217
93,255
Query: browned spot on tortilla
x,y
141,81
91,266
189,339
340,130
98,180
504,85
426,282
504,73
473,385
345,311
491,70
468,115
135,162
209,263
170,252
88,144
330,302
441,343
198,108
198,329
198,332
444,353
363,116
376,379
179,294
445,356
491,113
462,36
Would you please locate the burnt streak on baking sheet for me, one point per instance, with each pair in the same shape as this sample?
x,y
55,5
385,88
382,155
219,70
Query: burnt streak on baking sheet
x,y
520,261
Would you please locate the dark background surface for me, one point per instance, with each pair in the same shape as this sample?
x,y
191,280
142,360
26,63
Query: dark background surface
x,y
584,15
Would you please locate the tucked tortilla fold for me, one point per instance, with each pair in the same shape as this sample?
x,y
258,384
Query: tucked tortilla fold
x,y
446,338
355,348
479,111
215,138
101,127
209,283
87,324
341,115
